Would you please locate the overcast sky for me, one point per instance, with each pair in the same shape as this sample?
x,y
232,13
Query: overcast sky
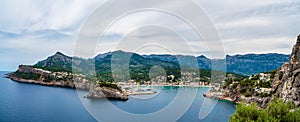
x,y
31,30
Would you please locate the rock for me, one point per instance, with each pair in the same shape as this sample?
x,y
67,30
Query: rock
x,y
97,92
287,80
286,83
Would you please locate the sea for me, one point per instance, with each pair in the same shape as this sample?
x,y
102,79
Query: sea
x,y
29,103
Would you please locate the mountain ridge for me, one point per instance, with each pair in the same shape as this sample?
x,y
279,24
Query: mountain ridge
x,y
246,64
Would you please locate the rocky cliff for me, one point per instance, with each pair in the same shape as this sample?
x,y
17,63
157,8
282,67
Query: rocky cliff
x,y
32,75
287,82
29,74
283,83
106,92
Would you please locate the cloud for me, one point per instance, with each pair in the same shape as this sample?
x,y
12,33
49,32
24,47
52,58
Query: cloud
x,y
32,30
30,16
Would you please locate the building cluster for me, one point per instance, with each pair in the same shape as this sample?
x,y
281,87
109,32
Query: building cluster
x,y
258,79
186,79
54,75
264,77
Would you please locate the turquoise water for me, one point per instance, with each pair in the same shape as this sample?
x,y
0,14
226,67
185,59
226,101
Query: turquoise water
x,y
28,102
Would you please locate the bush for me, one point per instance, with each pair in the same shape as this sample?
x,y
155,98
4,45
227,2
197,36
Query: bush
x,y
276,111
28,76
293,116
248,113
256,77
48,79
110,85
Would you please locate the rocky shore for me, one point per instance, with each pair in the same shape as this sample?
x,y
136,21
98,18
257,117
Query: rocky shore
x,y
262,102
30,75
218,96
65,84
97,92
94,92
285,84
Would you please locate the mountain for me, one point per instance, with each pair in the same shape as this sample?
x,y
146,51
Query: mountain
x,y
250,64
265,86
240,64
287,81
57,62
203,62
101,56
137,65
61,62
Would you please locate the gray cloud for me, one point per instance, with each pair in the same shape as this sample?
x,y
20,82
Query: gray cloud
x,y
31,30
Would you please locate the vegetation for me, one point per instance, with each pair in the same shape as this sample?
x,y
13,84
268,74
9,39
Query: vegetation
x,y
25,75
143,74
138,69
47,79
276,111
250,86
55,68
108,84
272,72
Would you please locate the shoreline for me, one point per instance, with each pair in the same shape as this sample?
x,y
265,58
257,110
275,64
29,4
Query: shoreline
x,y
141,93
107,93
34,82
176,85
218,96
211,95
53,84
262,102
73,86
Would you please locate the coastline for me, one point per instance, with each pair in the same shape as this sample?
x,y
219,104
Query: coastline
x,y
57,84
218,96
262,102
50,84
86,87
177,85
97,93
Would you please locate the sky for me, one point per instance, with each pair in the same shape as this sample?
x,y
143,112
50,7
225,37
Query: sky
x,y
32,30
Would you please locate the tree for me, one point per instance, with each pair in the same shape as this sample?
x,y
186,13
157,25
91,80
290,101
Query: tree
x,y
246,113
276,111
293,116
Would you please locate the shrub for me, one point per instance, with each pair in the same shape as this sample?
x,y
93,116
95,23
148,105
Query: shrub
x,y
276,111
107,84
29,76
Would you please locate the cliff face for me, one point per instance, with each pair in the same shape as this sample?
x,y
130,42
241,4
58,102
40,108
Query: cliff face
x,y
106,92
287,80
29,69
47,78
67,80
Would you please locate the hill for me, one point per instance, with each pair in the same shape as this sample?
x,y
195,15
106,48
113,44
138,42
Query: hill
x,y
247,64
137,65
